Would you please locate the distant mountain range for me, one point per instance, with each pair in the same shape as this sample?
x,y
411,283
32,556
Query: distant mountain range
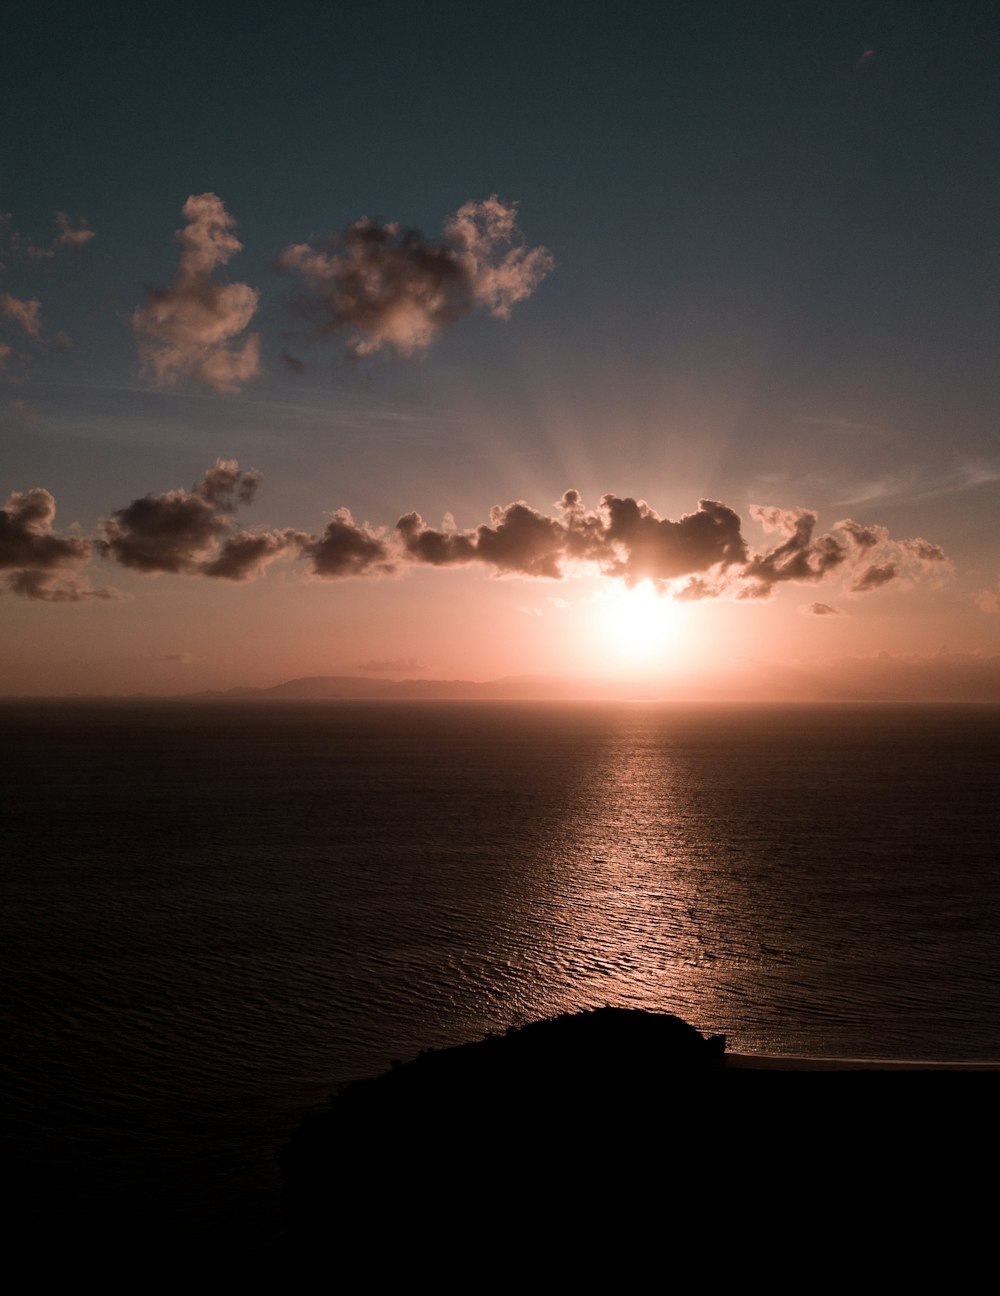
x,y
355,686
942,677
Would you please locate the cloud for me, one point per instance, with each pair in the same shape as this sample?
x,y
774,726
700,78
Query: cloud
x,y
659,549
867,554
916,485
347,548
190,532
26,536
15,244
874,576
5,353
190,330
701,555
41,564
391,665
389,286
180,531
695,589
624,537
72,235
23,412
988,601
244,556
42,585
26,313
799,558
501,270
926,553
225,485
864,537
182,658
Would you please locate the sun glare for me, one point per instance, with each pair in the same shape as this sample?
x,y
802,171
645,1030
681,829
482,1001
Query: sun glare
x,y
636,624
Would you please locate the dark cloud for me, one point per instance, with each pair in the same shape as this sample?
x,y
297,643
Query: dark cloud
x,y
923,551
873,577
863,537
44,585
799,558
624,537
41,564
225,486
192,328
868,555
701,555
292,363
518,540
27,539
347,548
658,549
389,286
244,556
522,541
422,544
179,531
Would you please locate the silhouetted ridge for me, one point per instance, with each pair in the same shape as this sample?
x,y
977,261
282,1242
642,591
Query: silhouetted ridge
x,y
481,1107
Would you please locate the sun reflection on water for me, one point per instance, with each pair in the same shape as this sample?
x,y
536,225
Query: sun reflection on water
x,y
630,927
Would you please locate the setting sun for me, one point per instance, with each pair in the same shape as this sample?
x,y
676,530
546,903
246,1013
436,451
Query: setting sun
x,y
636,624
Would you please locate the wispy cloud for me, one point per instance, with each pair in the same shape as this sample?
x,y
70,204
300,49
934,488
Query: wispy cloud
x,y
914,484
988,601
391,665
26,313
193,329
71,232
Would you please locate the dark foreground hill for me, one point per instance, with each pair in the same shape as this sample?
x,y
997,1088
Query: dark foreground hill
x,y
532,1076
603,1102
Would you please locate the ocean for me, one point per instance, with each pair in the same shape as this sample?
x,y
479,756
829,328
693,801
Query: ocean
x,y
215,914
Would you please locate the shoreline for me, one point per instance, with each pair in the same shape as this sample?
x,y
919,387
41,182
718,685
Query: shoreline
x,y
784,1062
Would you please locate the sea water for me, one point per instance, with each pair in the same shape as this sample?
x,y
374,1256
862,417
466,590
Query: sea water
x,y
214,914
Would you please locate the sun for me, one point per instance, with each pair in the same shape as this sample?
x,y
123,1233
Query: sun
x,y
635,625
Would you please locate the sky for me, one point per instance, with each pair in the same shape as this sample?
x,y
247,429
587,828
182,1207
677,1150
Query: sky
x,y
603,341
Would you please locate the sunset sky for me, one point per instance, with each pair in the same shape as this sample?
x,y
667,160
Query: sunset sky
x,y
469,341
